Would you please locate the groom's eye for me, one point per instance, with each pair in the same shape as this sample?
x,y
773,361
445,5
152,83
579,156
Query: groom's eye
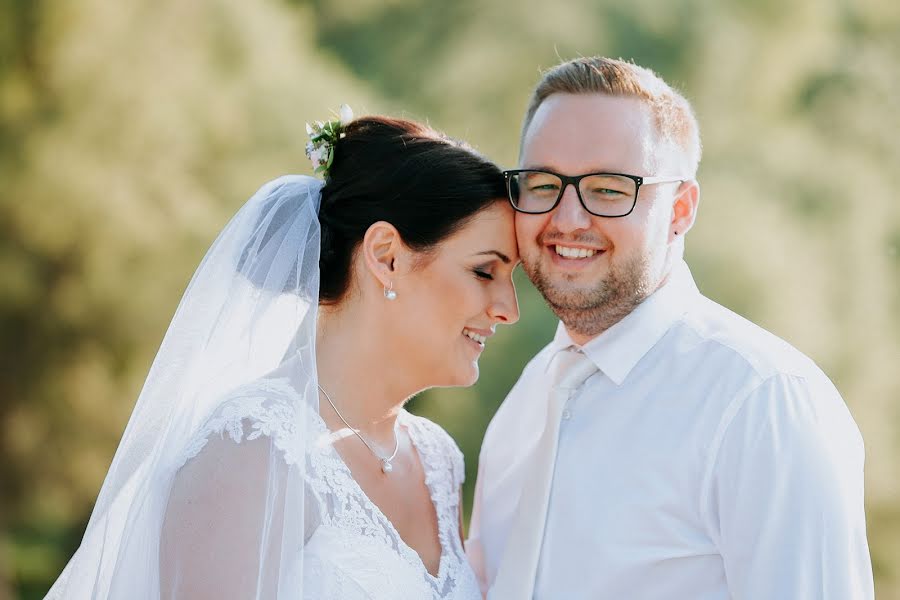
x,y
482,274
605,192
541,181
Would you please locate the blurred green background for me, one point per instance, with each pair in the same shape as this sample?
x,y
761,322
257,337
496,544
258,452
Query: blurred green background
x,y
131,131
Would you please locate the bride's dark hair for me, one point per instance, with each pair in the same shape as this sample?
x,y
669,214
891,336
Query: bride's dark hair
x,y
424,183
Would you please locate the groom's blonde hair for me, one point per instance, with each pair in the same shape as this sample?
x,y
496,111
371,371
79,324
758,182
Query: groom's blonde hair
x,y
675,120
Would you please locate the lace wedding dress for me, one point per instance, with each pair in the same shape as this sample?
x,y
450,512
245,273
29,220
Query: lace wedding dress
x,y
351,551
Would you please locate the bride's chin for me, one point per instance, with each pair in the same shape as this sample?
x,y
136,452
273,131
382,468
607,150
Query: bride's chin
x,y
466,376
471,378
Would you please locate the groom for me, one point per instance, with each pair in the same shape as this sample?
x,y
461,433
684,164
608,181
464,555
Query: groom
x,y
660,447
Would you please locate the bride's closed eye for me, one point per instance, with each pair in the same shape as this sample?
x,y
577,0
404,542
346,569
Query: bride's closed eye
x,y
481,274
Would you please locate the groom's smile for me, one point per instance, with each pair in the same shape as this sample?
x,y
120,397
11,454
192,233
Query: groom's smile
x,y
573,255
576,253
566,261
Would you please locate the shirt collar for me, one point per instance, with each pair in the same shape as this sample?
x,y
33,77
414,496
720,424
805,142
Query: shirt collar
x,y
618,349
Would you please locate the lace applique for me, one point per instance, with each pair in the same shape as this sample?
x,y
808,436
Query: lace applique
x,y
265,407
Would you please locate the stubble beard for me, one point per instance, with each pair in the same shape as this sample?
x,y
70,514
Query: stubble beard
x,y
589,311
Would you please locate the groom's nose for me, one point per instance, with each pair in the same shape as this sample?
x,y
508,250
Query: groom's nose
x,y
569,215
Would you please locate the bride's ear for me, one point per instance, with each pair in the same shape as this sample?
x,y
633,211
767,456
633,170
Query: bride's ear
x,y
383,251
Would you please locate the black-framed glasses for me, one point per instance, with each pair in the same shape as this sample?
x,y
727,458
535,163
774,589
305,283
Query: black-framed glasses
x,y
534,191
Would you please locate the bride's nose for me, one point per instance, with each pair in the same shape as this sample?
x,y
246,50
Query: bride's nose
x,y
504,307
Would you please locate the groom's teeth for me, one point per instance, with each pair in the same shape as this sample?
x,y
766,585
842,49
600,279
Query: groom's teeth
x,y
574,252
481,339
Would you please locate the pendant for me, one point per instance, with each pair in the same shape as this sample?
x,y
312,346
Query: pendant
x,y
386,466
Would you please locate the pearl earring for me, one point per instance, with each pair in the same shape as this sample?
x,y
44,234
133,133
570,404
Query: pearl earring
x,y
389,293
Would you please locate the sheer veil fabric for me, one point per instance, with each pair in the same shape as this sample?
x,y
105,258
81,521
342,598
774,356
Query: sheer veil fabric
x,y
242,338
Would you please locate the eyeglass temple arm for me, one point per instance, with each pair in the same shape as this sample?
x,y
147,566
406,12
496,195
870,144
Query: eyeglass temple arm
x,y
663,179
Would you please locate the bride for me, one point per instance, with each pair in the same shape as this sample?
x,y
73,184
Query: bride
x,y
269,454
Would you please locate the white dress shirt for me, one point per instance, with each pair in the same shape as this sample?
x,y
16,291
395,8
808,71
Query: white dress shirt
x,y
706,460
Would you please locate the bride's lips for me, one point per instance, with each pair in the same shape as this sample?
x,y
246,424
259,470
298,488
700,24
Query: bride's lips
x,y
477,337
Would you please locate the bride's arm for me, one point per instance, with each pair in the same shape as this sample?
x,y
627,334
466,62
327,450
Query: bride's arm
x,y
223,527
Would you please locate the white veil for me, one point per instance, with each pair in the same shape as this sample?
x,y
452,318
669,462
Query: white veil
x,y
184,511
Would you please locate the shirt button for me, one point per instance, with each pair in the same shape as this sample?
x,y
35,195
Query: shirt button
x,y
567,414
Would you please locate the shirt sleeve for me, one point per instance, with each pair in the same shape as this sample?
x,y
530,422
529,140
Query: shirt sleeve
x,y
786,495
474,547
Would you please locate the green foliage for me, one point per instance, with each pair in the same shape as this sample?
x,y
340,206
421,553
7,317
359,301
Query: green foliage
x,y
129,132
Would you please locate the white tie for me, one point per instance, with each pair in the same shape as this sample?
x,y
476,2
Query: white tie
x,y
518,567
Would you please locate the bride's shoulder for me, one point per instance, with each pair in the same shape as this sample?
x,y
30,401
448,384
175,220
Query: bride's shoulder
x,y
265,407
437,448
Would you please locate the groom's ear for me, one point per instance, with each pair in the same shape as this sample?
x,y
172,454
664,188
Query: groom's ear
x,y
382,247
684,209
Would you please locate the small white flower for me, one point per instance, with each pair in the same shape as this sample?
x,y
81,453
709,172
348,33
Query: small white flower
x,y
346,114
309,129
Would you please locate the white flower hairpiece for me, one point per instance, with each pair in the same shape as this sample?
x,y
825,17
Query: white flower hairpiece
x,y
322,138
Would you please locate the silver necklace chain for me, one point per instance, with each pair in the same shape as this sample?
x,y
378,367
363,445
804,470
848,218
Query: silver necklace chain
x,y
386,466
